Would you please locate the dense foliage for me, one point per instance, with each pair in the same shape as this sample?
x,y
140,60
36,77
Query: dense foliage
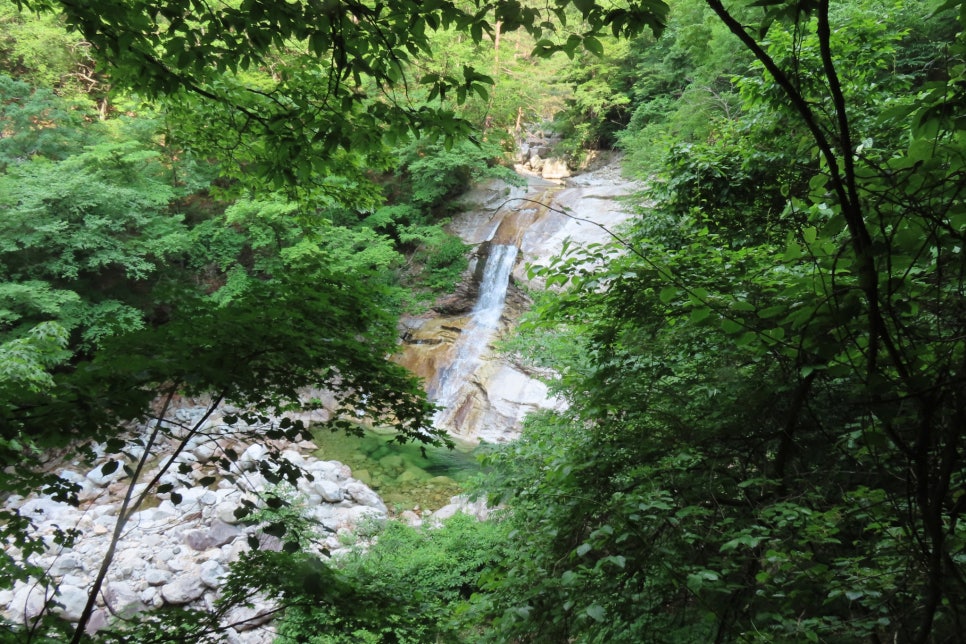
x,y
406,588
766,444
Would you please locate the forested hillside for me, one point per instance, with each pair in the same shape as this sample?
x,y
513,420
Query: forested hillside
x,y
764,373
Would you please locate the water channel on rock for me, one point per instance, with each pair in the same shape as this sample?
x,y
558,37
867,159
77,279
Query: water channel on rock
x,y
484,322
484,396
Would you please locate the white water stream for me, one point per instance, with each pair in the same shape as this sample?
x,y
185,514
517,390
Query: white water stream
x,y
486,397
484,320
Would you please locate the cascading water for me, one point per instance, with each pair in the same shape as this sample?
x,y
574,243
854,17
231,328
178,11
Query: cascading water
x,y
484,320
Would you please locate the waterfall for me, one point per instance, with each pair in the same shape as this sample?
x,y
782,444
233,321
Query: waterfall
x,y
484,320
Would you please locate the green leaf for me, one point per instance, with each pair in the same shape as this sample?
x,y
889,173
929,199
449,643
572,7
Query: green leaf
x,y
596,612
277,529
593,45
669,293
700,314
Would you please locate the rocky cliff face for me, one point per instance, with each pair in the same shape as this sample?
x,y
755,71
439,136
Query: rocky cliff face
x,y
495,396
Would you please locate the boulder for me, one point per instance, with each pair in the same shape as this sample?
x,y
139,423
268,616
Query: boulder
x,y
43,510
184,589
101,478
212,573
70,601
246,618
123,598
554,168
251,456
65,564
215,536
329,491
363,495
157,576
28,601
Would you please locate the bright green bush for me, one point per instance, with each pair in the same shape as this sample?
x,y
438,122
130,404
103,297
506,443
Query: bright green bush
x,y
407,587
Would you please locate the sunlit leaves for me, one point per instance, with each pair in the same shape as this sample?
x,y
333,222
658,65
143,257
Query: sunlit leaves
x,y
340,71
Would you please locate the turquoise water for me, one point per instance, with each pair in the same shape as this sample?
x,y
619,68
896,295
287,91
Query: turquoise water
x,y
404,476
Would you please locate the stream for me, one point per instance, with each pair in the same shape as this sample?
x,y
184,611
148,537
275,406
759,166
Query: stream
x,y
483,397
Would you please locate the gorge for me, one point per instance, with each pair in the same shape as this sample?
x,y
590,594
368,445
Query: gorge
x,y
178,552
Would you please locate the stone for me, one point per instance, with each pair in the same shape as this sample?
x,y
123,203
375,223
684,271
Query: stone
x,y
269,543
329,491
65,564
183,564
164,555
461,504
98,620
28,601
293,457
150,541
122,598
221,533
363,495
225,512
204,451
98,477
197,539
182,590
365,517
157,576
151,598
246,618
554,168
75,580
411,518
331,519
130,561
70,601
330,470
107,521
86,485
43,510
251,456
212,573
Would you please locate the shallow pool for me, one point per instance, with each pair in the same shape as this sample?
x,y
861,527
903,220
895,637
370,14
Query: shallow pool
x,y
405,476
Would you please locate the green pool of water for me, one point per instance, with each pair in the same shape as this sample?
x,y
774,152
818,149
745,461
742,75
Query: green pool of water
x,y
403,475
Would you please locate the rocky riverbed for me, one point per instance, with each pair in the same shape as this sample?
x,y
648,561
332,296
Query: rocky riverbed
x,y
177,551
